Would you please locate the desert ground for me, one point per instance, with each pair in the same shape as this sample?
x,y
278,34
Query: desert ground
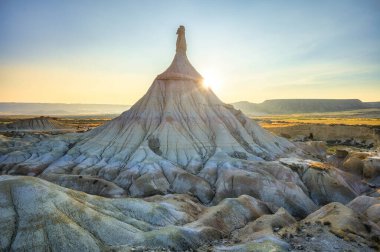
x,y
360,128
355,128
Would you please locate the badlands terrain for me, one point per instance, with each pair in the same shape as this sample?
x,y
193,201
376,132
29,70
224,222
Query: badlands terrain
x,y
183,171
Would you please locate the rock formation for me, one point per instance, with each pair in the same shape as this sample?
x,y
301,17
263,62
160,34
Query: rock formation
x,y
35,124
179,138
36,214
202,171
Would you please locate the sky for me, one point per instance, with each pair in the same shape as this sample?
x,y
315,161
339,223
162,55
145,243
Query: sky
x,y
109,52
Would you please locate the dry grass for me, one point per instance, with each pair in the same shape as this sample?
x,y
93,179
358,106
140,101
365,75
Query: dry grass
x,y
270,122
84,123
320,166
365,117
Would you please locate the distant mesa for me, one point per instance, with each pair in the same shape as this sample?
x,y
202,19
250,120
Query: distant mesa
x,y
291,106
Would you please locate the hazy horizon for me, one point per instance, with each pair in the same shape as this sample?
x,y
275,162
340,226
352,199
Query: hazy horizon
x,y
95,52
119,104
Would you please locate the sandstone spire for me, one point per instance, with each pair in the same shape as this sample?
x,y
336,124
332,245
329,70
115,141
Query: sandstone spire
x,y
178,137
181,40
181,67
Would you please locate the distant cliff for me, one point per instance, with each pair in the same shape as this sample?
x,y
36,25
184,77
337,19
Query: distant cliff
x,y
288,106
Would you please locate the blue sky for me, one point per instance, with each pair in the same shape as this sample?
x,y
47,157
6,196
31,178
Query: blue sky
x,y
110,51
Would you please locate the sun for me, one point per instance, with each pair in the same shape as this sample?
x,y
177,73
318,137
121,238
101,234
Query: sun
x,y
211,81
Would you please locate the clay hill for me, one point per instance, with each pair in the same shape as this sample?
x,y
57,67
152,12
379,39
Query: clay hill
x,y
182,170
35,124
290,106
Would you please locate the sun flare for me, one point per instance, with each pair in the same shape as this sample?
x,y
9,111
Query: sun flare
x,y
211,81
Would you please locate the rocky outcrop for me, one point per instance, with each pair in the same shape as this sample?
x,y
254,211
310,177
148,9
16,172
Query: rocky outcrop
x,y
38,215
368,206
371,169
364,165
265,226
345,223
333,227
353,163
325,183
30,154
36,124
